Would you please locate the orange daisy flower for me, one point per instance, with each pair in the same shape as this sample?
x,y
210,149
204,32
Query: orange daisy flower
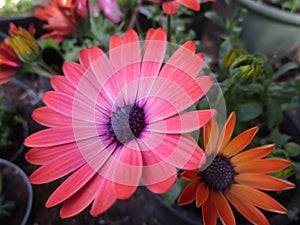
x,y
64,18
231,176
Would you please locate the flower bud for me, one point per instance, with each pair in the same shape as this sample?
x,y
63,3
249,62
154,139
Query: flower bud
x,y
230,57
247,68
24,44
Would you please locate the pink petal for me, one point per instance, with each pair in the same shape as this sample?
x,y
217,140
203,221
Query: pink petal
x,y
92,81
124,169
59,102
41,156
176,150
168,98
152,59
158,176
81,199
61,84
125,56
59,136
183,123
163,186
50,137
89,55
71,185
93,94
73,72
128,172
57,168
104,198
184,60
77,107
50,118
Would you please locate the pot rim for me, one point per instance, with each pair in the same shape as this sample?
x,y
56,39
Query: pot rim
x,y
28,186
271,12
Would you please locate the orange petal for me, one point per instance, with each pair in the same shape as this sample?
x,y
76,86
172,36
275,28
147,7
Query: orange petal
x,y
188,194
263,182
258,198
223,208
249,211
191,4
202,194
190,175
226,132
240,142
253,154
210,136
262,166
209,213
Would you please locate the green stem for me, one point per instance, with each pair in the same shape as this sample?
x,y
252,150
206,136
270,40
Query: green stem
x,y
134,17
35,68
42,63
225,93
95,37
169,28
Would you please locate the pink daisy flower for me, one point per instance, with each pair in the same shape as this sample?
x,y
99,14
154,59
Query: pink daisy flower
x,y
118,121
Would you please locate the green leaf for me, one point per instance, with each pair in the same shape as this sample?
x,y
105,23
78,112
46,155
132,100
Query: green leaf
x,y
215,18
285,68
248,111
50,43
274,113
171,196
297,170
292,148
278,138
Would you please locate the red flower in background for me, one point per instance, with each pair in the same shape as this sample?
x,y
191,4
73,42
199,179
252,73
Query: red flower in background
x,y
63,17
117,121
171,6
9,62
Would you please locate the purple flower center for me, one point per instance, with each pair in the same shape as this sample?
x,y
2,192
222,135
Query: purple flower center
x,y
219,174
126,124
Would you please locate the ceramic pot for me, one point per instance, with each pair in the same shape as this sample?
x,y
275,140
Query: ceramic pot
x,y
269,30
17,189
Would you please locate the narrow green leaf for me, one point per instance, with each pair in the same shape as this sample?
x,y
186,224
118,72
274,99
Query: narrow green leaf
x,y
285,68
215,18
274,113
